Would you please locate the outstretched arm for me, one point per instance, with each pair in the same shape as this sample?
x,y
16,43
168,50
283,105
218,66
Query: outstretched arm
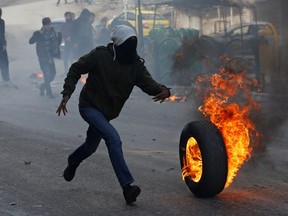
x,y
82,66
150,86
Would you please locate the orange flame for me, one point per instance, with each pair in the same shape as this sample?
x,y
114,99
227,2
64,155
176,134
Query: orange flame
x,y
192,164
230,116
39,75
174,98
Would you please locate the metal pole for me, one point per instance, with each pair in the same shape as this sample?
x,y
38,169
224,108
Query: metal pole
x,y
140,28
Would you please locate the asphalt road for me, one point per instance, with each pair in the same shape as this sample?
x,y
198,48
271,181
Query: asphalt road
x,y
35,143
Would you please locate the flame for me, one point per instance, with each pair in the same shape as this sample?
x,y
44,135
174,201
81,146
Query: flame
x,y
175,98
230,116
192,164
39,75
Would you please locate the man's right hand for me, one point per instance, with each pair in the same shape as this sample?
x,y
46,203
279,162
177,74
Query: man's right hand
x,y
62,106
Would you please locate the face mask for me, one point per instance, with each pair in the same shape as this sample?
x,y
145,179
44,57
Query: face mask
x,y
126,52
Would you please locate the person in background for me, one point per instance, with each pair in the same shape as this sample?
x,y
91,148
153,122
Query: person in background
x,y
113,71
66,31
73,16
81,34
47,48
4,62
102,32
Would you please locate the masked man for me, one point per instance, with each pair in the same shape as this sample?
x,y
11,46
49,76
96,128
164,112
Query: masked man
x,y
113,71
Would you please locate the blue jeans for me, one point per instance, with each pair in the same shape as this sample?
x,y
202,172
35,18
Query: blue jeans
x,y
49,71
100,128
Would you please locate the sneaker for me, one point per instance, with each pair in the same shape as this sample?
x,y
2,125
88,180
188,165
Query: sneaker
x,y
131,193
70,171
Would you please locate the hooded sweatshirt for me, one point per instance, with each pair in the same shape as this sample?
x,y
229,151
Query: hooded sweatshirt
x,y
110,81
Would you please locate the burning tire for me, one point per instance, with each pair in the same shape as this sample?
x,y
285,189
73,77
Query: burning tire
x,y
203,158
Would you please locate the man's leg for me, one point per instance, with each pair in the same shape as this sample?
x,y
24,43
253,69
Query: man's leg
x,y
112,139
87,148
98,121
50,75
81,153
4,66
45,70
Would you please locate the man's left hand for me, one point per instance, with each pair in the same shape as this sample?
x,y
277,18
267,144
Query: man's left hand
x,y
163,95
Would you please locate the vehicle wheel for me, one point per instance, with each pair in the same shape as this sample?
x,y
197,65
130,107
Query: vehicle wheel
x,y
203,158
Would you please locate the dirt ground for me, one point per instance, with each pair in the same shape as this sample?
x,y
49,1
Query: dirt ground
x,y
35,143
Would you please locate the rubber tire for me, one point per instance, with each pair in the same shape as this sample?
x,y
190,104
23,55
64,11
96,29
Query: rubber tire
x,y
214,158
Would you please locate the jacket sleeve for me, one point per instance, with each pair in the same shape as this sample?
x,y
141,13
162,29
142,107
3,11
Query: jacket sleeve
x,y
34,37
146,83
82,66
2,32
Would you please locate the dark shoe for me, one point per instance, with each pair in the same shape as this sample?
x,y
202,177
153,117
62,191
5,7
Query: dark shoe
x,y
130,193
70,171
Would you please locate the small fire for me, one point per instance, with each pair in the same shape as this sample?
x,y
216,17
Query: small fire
x,y
228,103
39,75
175,98
193,164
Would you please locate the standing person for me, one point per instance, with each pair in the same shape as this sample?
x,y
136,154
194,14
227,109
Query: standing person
x,y
66,31
82,37
4,62
47,48
113,71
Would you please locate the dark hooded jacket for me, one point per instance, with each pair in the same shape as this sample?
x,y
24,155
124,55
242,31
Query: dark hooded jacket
x,y
109,82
